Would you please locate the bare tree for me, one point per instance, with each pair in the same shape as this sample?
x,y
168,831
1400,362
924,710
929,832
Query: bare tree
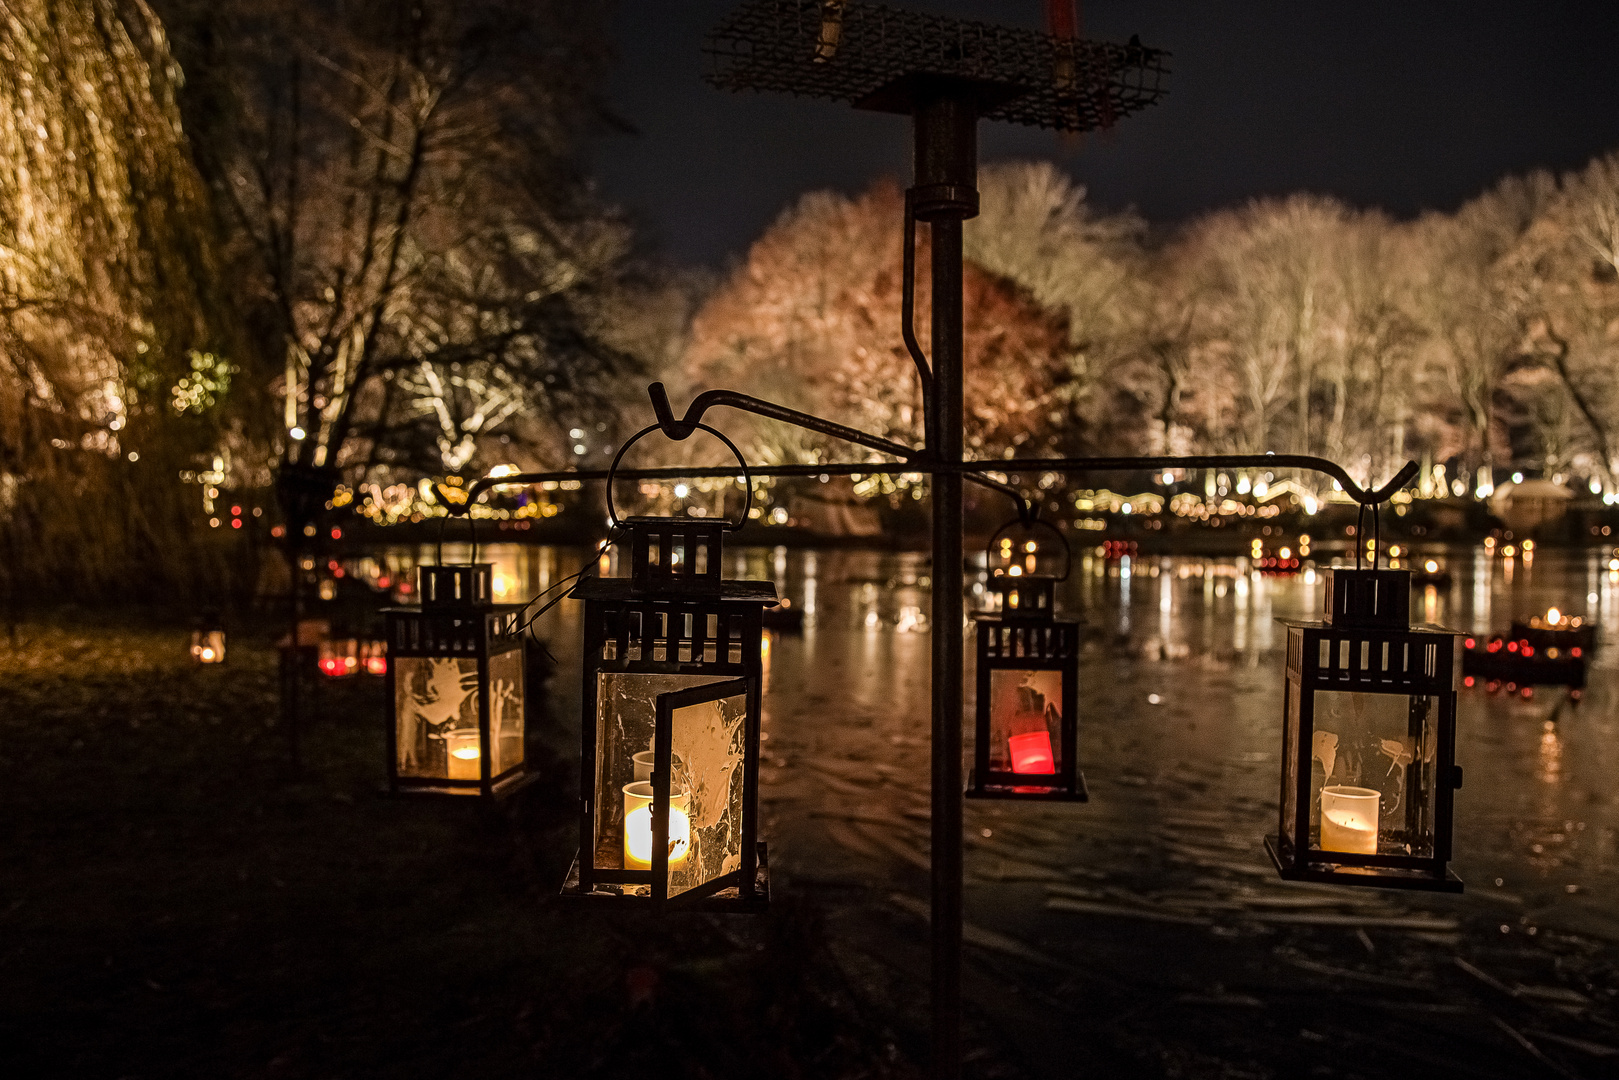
x,y
423,262
109,378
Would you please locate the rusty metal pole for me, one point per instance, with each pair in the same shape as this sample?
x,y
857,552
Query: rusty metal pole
x,y
945,195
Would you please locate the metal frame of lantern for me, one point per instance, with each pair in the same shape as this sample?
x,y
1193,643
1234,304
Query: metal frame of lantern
x,y
455,689
671,717
1027,638
208,639
1370,698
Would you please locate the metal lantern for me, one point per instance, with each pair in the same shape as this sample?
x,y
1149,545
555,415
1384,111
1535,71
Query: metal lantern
x,y
455,688
1027,716
1369,770
208,640
670,727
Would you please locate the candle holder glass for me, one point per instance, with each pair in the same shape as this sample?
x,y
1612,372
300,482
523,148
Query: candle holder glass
x,y
455,689
1368,746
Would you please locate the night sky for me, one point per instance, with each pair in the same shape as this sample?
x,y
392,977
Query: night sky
x,y
1405,106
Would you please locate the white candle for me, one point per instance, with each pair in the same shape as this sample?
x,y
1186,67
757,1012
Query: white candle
x,y
464,754
1349,819
638,827
643,765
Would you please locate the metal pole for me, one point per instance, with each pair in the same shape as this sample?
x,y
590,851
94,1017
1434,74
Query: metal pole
x,y
945,195
290,656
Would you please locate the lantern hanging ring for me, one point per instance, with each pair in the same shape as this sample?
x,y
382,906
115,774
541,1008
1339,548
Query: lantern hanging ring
x,y
1030,521
472,532
688,427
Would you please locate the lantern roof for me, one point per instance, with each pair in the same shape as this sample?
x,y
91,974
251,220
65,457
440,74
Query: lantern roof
x,y
730,591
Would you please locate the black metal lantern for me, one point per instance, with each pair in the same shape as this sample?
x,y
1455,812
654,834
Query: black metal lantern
x,y
670,728
208,639
1369,770
1026,720
455,688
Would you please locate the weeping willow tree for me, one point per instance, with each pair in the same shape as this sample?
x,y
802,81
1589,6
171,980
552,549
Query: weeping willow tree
x,y
112,378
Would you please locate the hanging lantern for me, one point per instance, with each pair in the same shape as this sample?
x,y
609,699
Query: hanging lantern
x,y
455,688
208,640
1026,719
670,747
1369,770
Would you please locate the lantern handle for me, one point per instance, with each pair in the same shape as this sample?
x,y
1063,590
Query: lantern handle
x,y
1377,534
689,426
1030,521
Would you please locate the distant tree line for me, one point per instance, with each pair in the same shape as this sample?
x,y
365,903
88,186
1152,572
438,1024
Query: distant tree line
x,y
1482,338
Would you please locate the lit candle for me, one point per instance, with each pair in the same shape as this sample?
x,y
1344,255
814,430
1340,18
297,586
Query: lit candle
x,y
1031,752
208,647
1349,820
638,827
464,753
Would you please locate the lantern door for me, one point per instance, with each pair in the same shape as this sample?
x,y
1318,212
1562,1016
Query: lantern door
x,y
627,712
700,830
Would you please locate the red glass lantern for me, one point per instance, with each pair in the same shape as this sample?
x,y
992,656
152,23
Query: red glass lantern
x,y
1026,719
338,658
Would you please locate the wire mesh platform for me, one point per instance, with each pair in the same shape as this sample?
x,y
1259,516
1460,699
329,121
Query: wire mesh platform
x,y
871,56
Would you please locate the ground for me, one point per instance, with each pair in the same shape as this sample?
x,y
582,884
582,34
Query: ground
x,y
177,901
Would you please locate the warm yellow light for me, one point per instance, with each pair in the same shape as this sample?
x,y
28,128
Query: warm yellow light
x,y
1286,553
638,827
1394,551
1529,545
1304,539
1349,819
1554,616
1508,551
207,655
1431,566
463,754
1030,547
1014,571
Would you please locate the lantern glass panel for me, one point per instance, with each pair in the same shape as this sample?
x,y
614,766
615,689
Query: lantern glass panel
x,y
434,696
1025,723
1290,763
1372,767
626,725
707,743
506,709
